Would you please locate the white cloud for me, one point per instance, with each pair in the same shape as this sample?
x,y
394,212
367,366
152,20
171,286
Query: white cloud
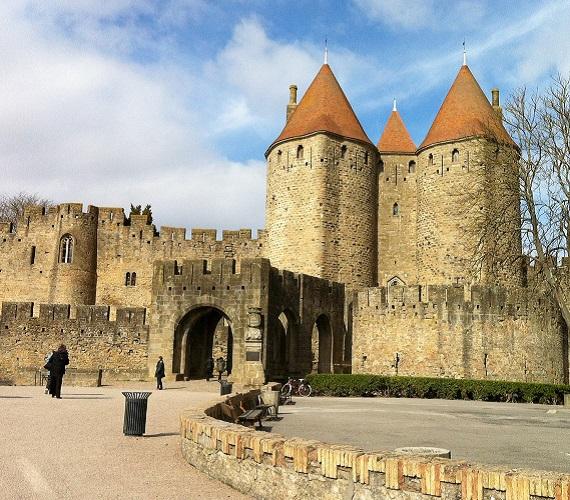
x,y
79,124
398,13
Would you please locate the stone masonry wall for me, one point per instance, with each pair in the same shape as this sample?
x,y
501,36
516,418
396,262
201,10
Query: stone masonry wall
x,y
322,209
397,184
270,466
27,334
443,331
450,199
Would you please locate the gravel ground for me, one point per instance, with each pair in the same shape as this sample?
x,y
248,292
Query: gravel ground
x,y
74,448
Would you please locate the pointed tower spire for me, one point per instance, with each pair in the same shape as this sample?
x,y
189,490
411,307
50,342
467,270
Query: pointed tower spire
x,y
326,52
465,112
323,108
395,137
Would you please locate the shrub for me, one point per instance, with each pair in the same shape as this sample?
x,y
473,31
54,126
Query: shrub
x,y
344,385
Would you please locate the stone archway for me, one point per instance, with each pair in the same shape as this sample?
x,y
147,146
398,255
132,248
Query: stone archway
x,y
204,332
322,345
284,344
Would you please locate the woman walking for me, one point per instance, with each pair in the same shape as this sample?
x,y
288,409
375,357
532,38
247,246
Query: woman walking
x,y
159,373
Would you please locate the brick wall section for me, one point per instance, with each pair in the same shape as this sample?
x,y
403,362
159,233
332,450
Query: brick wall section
x,y
483,333
397,184
118,347
268,465
322,209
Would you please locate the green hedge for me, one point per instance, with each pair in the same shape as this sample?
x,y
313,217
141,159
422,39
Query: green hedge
x,y
442,388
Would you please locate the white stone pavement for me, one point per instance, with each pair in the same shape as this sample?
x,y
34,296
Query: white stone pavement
x,y
74,448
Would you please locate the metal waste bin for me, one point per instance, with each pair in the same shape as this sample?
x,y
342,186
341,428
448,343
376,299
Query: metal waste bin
x,y
225,387
271,398
134,423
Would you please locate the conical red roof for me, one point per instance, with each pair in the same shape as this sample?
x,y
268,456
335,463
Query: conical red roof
x,y
465,112
323,108
396,138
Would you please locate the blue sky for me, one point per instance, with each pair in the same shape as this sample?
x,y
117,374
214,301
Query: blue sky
x,y
173,103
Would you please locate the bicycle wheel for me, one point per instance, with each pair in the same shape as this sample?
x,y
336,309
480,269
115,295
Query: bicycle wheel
x,y
305,390
286,390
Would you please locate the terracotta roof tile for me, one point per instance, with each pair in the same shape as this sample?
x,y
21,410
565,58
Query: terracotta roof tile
x,y
465,112
396,138
324,107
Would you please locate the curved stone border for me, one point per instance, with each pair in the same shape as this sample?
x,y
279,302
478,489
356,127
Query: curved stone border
x,y
267,465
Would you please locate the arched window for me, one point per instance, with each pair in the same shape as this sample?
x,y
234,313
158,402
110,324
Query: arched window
x,y
133,279
66,249
381,166
395,209
412,167
455,156
343,151
430,160
128,279
300,152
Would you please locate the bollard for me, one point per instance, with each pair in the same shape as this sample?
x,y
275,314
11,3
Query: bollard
x,y
225,388
134,423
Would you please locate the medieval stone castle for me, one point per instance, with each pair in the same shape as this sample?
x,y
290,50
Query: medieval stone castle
x,y
368,264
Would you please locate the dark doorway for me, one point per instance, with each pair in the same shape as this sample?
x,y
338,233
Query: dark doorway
x,y
322,345
204,332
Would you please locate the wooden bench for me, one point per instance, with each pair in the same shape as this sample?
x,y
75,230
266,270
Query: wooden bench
x,y
251,416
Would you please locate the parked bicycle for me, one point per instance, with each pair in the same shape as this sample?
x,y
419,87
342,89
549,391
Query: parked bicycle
x,y
296,387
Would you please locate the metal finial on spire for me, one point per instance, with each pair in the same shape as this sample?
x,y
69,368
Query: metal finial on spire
x,y
326,52
394,106
464,54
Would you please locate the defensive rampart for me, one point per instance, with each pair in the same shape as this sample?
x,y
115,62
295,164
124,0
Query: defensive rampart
x,y
28,333
268,465
451,331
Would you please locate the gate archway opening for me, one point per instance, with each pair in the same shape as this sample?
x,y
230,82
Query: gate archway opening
x,y
284,344
202,333
322,345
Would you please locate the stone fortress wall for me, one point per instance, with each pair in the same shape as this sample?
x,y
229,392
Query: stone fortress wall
x,y
459,332
29,332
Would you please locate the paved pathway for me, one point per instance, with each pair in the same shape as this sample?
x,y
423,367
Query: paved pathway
x,y
515,435
74,448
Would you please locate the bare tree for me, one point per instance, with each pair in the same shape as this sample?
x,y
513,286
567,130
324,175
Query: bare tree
x,y
12,205
529,185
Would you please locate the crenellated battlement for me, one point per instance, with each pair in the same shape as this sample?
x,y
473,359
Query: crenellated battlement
x,y
46,314
451,303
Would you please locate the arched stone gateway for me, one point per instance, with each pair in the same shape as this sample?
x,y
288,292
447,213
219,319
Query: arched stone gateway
x,y
282,355
203,332
322,340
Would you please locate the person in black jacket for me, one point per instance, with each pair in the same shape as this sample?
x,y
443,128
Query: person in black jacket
x,y
58,361
159,373
209,368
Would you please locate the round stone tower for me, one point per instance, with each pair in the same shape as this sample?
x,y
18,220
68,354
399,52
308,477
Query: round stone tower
x,y
74,272
321,207
458,164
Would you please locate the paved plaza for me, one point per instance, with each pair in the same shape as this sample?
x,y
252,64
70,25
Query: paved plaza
x,y
74,448
515,435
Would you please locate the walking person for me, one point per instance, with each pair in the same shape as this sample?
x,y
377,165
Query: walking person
x,y
220,367
159,373
58,361
209,368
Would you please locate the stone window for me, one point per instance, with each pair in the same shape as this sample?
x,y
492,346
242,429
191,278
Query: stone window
x,y
430,160
381,166
455,156
300,152
395,209
366,158
33,255
130,279
343,151
412,167
66,249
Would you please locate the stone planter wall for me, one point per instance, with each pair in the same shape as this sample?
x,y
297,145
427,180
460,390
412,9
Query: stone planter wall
x,y
267,465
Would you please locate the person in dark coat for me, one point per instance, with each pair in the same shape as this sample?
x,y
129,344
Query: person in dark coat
x,y
159,373
209,368
220,367
58,361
